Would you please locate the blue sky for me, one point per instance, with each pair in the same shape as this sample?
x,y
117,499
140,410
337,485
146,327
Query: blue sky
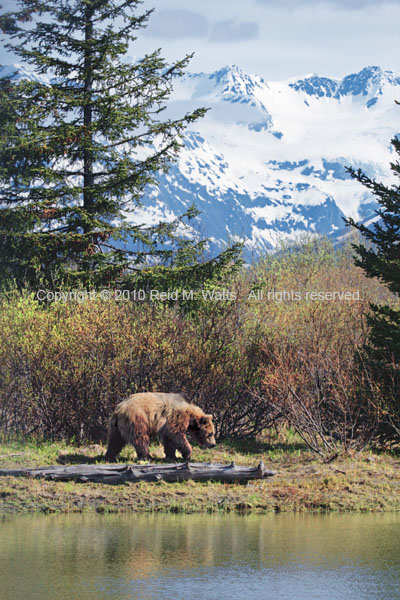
x,y
276,39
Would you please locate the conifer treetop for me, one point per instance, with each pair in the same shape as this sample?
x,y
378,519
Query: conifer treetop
x,y
81,147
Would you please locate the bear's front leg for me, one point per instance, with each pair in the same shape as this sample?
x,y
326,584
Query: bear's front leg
x,y
169,448
183,446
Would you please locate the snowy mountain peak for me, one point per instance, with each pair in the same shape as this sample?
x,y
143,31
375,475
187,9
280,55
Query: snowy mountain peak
x,y
229,83
237,98
313,85
368,84
367,78
236,77
228,71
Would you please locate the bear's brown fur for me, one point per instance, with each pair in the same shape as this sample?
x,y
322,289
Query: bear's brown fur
x,y
146,415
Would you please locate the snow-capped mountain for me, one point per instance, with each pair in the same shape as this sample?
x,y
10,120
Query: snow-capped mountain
x,y
268,160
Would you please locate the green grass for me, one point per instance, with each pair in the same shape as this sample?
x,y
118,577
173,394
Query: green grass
x,y
367,482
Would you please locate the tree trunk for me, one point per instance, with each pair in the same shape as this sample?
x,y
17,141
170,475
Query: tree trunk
x,y
87,114
117,474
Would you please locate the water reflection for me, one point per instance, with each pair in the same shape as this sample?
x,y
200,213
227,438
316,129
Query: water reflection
x,y
145,557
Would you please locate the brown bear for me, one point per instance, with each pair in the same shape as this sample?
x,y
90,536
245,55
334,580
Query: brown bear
x,y
146,415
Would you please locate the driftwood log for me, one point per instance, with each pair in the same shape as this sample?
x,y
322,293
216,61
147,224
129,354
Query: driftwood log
x,y
117,474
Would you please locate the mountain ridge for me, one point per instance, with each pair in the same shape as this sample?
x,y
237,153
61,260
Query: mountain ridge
x,y
288,173
269,159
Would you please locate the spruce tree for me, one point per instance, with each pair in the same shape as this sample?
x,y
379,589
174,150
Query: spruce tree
x,y
381,259
80,144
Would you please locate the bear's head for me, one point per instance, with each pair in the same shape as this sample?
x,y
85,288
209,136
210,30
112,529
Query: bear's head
x,y
201,429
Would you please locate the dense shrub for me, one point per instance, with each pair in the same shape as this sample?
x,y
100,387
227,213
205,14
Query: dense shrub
x,y
63,367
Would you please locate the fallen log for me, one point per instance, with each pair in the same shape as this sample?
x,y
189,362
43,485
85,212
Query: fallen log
x,y
117,474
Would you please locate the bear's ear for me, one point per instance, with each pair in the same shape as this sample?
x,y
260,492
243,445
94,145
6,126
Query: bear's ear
x,y
193,424
209,417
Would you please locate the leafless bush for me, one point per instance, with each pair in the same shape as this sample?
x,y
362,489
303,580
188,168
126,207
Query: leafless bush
x,y
326,399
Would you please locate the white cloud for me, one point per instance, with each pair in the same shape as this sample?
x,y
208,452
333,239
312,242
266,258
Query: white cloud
x,y
231,31
339,4
178,23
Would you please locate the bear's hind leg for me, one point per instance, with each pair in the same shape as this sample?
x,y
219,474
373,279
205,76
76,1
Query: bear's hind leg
x,y
142,447
140,438
115,442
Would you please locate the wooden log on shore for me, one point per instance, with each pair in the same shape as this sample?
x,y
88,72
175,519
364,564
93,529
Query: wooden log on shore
x,y
117,474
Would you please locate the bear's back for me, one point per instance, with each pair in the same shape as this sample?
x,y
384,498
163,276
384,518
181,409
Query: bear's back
x,y
156,399
154,408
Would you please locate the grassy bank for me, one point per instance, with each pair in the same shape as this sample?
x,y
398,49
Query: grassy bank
x,y
366,482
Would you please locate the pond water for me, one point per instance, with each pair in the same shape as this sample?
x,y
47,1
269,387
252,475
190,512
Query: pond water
x,y
202,557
